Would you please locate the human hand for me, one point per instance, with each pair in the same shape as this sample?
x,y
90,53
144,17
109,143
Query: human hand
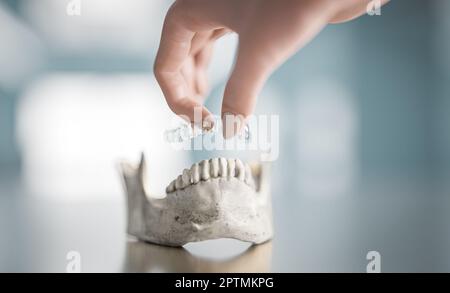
x,y
270,31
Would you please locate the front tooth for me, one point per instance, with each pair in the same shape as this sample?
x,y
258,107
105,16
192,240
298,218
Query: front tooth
x,y
179,182
231,167
186,178
214,167
171,187
240,170
248,175
204,170
195,175
223,167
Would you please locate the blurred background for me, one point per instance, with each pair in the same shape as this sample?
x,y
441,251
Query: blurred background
x,y
364,140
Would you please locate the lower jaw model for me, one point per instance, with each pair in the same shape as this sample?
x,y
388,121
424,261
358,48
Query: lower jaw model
x,y
216,198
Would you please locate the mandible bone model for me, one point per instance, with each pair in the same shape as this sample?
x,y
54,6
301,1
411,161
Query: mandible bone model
x,y
216,198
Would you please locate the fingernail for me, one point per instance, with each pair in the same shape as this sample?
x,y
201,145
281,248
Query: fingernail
x,y
232,124
208,123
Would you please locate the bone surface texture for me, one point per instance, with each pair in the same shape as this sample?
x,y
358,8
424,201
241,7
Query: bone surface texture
x,y
216,198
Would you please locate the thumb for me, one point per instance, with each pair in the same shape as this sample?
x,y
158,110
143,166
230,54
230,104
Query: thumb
x,y
253,66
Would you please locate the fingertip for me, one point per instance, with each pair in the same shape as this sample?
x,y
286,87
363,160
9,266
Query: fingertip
x,y
232,124
193,112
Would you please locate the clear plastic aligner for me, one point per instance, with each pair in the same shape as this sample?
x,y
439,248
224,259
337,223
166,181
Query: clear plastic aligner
x,y
186,132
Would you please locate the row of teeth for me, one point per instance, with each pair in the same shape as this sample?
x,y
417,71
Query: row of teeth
x,y
210,169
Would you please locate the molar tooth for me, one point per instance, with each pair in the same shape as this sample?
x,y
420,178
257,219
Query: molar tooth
x,y
223,167
195,174
204,170
171,187
240,170
214,167
179,182
231,167
186,178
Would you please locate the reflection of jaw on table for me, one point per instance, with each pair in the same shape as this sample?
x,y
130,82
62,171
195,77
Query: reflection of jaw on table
x,y
146,257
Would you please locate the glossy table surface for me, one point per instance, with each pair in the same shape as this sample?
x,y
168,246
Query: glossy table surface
x,y
405,221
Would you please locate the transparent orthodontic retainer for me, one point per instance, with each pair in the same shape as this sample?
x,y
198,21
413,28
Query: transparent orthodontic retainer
x,y
186,131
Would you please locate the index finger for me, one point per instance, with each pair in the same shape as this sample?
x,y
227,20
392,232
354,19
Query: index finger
x,y
173,51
